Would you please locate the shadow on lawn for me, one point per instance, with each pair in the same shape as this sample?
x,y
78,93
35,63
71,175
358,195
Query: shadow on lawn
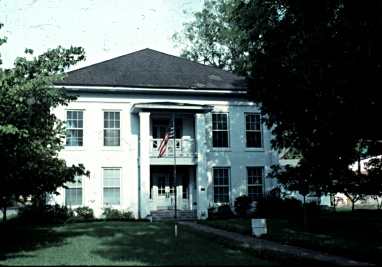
x,y
154,244
144,243
133,243
16,238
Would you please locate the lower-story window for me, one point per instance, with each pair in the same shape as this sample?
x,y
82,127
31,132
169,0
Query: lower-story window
x,y
255,182
221,185
111,186
73,194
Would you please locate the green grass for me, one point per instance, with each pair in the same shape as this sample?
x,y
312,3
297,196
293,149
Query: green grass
x,y
114,243
356,236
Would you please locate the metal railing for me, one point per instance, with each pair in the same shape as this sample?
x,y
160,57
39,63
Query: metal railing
x,y
184,147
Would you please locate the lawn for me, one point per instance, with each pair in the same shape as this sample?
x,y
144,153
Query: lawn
x,y
114,243
357,236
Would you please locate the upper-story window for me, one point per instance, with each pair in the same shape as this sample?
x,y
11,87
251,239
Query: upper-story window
x,y
253,130
75,128
112,128
220,130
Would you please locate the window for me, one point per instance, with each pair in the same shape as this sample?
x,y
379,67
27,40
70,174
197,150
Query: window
x,y
73,194
219,130
253,130
74,126
255,182
111,186
221,185
112,128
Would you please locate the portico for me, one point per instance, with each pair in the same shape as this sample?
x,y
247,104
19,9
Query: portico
x,y
157,186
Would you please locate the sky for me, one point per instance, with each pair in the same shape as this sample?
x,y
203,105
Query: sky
x,y
105,28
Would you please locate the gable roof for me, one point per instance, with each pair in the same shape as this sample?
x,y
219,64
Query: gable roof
x,y
148,68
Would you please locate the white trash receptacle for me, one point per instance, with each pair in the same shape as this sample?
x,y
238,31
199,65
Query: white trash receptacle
x,y
259,227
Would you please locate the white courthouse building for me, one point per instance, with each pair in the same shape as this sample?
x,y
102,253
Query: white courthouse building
x,y
123,109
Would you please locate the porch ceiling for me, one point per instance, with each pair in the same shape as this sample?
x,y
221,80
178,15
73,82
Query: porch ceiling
x,y
166,106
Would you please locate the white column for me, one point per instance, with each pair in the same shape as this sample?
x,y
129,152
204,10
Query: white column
x,y
144,160
201,169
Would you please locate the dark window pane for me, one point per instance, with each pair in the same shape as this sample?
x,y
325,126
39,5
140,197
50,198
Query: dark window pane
x,y
253,139
220,139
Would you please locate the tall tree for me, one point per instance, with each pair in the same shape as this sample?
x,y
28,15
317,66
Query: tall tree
x,y
315,70
30,135
211,38
374,176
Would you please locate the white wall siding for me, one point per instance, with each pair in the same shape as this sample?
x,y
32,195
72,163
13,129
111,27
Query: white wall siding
x,y
237,157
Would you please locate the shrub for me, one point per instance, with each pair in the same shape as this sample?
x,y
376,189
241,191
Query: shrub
x,y
267,206
275,207
292,206
84,212
110,213
222,212
44,214
312,207
242,206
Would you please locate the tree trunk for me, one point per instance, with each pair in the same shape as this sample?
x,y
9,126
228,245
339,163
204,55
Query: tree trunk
x,y
352,206
4,210
333,201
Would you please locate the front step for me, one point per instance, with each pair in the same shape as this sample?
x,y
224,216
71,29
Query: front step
x,y
168,215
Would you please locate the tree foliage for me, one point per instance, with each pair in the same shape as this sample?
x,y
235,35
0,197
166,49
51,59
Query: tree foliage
x,y
211,38
316,68
374,173
30,135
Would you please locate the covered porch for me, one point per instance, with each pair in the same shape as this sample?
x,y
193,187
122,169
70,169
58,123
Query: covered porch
x,y
156,179
163,186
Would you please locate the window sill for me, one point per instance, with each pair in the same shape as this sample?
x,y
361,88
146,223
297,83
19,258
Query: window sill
x,y
218,204
220,149
254,149
74,148
112,148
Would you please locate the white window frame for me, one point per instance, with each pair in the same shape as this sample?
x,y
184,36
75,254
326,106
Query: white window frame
x,y
75,185
220,130
222,186
255,184
113,129
112,186
253,131
77,129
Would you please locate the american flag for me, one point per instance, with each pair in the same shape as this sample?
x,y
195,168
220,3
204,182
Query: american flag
x,y
168,135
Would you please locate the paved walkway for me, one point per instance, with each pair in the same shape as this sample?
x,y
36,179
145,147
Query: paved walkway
x,y
276,246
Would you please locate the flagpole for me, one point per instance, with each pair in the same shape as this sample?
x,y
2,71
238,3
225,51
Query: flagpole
x,y
176,223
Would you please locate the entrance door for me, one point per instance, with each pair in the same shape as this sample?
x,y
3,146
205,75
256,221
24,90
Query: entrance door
x,y
164,191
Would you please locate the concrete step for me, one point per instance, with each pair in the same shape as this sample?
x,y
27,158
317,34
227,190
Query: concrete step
x,y
168,215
